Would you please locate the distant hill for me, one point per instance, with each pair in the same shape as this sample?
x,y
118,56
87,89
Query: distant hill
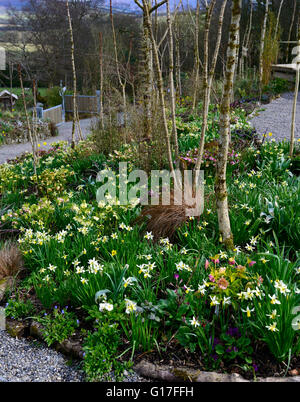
x,y
126,6
15,3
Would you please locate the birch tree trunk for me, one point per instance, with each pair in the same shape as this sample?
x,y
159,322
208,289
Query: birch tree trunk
x,y
159,84
178,62
75,109
220,184
171,80
206,92
245,65
196,57
34,116
34,150
236,62
121,82
241,59
262,46
10,84
147,80
208,76
101,79
278,17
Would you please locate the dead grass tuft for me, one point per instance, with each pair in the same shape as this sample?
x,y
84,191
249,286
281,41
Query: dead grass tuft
x,y
164,220
11,260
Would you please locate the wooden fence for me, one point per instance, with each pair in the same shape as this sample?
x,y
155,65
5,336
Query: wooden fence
x,y
85,103
287,71
54,114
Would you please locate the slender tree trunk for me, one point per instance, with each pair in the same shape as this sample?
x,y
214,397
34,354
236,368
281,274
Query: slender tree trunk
x,y
196,57
34,116
147,66
121,82
248,36
101,79
241,59
220,185
208,76
147,81
277,23
290,32
75,109
28,122
156,22
205,107
133,94
236,62
10,83
295,99
178,62
262,46
159,85
278,17
171,80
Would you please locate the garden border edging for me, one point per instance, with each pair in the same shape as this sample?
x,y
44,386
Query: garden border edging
x,y
179,374
150,370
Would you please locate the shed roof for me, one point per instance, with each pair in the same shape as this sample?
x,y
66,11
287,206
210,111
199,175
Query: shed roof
x,y
5,93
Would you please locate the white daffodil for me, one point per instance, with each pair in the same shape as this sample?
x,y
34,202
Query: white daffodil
x,y
226,301
148,236
274,299
52,268
281,286
272,327
214,301
130,306
248,311
223,255
201,289
106,306
273,315
188,289
249,294
195,323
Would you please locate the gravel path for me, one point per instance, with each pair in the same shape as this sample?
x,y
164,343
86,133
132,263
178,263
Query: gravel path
x,y
23,361
32,361
65,134
276,118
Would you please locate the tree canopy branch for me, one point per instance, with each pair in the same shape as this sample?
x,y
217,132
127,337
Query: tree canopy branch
x,y
138,4
157,6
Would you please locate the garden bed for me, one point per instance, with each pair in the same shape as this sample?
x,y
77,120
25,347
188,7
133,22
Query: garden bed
x,y
14,130
173,365
87,272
